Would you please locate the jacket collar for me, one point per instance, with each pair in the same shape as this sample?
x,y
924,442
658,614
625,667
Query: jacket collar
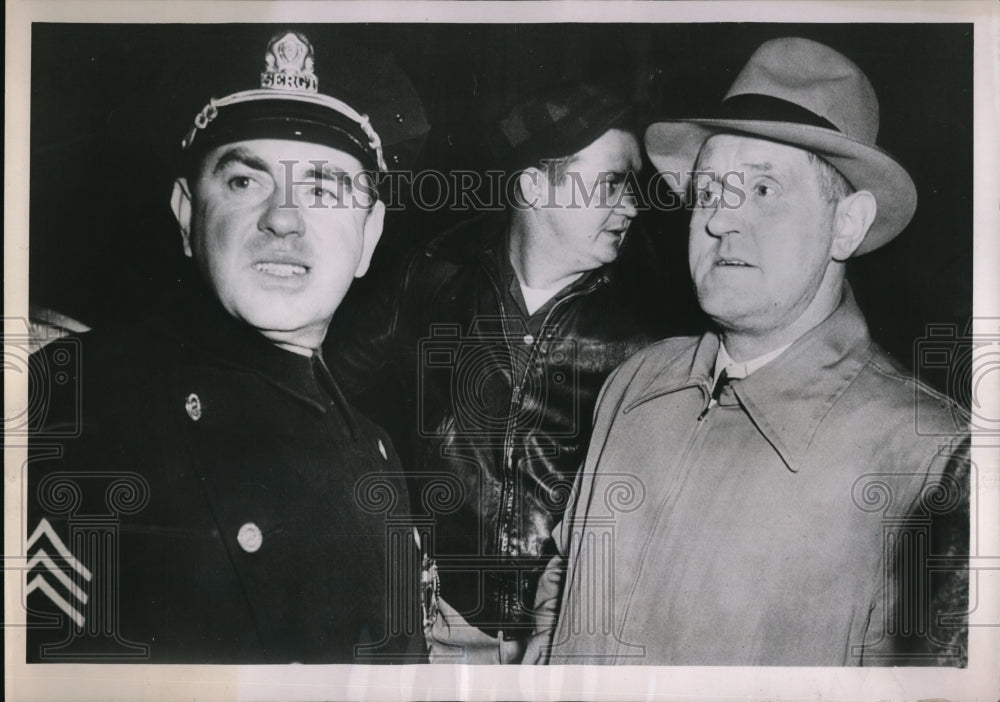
x,y
470,240
788,398
483,239
195,316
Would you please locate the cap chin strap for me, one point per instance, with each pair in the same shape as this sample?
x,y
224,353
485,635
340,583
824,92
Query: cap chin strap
x,y
211,111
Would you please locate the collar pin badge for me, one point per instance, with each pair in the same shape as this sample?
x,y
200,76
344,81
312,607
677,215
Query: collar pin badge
x,y
192,405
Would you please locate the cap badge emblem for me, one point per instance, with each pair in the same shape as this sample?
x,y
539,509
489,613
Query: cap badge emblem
x,y
289,75
289,64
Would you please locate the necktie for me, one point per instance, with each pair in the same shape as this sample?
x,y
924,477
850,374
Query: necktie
x,y
720,384
324,379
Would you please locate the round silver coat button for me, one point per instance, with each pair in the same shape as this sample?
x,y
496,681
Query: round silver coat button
x,y
249,537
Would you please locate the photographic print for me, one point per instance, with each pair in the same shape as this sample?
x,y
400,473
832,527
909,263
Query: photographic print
x,y
355,351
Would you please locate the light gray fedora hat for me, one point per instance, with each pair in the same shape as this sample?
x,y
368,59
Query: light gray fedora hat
x,y
802,93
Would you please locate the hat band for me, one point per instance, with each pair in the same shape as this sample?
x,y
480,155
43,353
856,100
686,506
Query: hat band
x,y
326,133
767,108
283,105
274,116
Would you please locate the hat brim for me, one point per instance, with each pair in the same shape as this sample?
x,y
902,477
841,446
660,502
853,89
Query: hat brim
x,y
673,147
282,116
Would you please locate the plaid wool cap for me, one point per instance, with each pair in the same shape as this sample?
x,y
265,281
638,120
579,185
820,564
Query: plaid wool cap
x,y
558,123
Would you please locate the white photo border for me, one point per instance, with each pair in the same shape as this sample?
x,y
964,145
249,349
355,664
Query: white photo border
x,y
130,682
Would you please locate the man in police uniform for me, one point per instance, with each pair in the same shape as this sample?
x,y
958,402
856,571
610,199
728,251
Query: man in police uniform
x,y
222,502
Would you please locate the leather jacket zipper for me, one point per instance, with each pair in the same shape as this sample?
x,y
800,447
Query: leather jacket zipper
x,y
507,487
516,390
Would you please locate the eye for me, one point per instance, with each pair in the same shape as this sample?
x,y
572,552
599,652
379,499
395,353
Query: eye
x,y
324,195
764,190
605,189
705,194
243,184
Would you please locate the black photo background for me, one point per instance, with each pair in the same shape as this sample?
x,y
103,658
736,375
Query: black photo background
x,y
110,104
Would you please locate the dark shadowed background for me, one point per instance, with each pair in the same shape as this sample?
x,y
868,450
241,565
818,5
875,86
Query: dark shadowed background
x,y
110,104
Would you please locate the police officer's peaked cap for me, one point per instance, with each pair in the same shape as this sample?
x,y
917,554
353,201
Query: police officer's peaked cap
x,y
367,108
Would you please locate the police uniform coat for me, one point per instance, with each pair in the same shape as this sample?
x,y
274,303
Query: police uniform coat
x,y
227,503
766,529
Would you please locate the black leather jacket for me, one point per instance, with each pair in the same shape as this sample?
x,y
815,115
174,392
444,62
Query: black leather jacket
x,y
492,424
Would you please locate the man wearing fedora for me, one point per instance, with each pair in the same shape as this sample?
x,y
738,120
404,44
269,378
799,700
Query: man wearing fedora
x,y
780,466
497,337
222,501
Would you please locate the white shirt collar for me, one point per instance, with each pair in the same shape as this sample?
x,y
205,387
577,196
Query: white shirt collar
x,y
736,370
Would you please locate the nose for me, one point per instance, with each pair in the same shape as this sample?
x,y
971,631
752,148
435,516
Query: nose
x,y
282,217
722,219
627,204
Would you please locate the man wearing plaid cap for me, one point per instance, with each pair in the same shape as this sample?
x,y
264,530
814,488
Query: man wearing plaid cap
x,y
222,502
495,339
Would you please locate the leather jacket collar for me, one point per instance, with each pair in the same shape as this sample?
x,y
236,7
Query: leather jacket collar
x,y
483,239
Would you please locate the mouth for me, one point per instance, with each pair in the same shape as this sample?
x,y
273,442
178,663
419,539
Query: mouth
x,y
281,269
732,263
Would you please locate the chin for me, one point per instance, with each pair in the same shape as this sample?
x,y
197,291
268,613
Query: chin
x,y
721,306
607,257
278,318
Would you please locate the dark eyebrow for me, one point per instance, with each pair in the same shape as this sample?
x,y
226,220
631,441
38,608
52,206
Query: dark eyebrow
x,y
239,155
762,166
329,173
705,172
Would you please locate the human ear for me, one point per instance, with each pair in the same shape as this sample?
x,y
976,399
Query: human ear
x,y
374,223
852,220
530,185
180,203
